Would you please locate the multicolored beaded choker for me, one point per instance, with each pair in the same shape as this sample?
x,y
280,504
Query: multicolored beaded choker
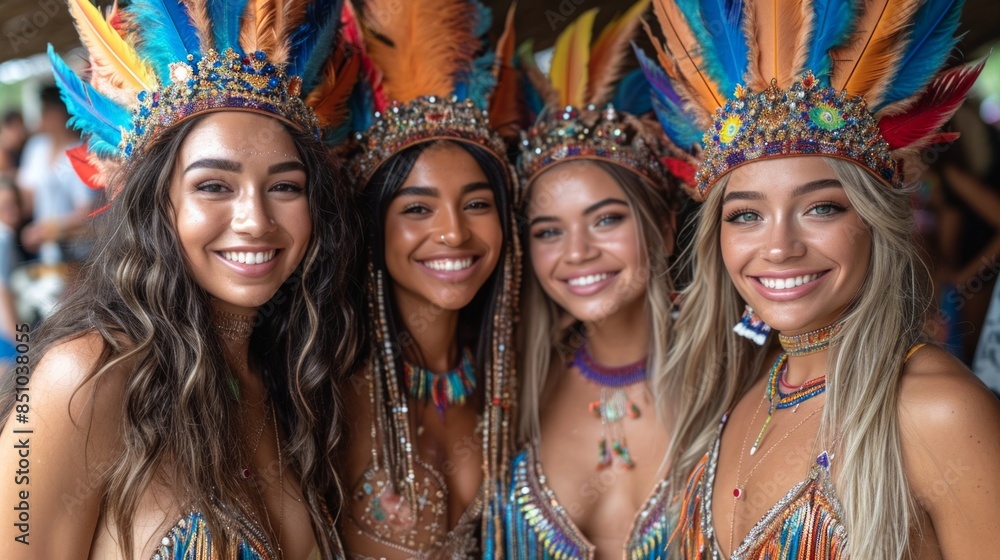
x,y
808,390
443,389
810,342
614,405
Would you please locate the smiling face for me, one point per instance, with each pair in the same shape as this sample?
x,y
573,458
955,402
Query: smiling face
x,y
442,230
793,244
584,242
240,208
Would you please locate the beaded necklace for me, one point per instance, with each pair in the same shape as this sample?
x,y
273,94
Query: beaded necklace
x,y
443,389
614,405
810,342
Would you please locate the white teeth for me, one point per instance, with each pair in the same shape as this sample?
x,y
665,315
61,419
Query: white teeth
x,y
588,280
786,283
249,258
449,265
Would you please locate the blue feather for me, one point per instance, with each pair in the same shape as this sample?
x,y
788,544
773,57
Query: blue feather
x,y
656,77
930,42
484,19
718,26
92,112
478,83
833,22
676,123
313,41
226,15
632,94
168,33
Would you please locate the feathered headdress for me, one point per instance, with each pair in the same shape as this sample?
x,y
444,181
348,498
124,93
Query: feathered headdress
x,y
854,80
576,120
159,62
428,75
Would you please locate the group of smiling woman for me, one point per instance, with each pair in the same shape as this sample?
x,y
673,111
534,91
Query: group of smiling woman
x,y
327,317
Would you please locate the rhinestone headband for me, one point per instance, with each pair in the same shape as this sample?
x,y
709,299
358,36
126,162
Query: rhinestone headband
x,y
605,135
804,120
226,81
424,119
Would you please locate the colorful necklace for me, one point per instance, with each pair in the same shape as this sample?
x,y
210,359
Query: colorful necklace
x,y
614,405
810,342
443,389
808,390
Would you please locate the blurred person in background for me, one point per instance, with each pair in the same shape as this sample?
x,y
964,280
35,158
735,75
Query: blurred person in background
x,y
13,135
10,220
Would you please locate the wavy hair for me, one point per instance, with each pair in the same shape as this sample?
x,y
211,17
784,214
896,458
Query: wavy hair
x,y
860,417
179,418
547,340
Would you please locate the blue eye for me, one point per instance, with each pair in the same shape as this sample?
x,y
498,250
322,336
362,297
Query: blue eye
x,y
826,209
610,219
545,233
742,217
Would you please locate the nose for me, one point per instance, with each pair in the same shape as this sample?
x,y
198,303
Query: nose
x,y
783,241
578,246
451,229
251,214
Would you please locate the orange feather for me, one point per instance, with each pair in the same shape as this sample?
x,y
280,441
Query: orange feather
x,y
526,56
863,65
118,72
774,29
504,110
198,12
329,99
261,29
570,59
420,45
682,48
609,52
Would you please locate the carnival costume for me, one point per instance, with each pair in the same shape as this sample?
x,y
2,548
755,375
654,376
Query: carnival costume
x,y
576,121
428,76
158,63
853,81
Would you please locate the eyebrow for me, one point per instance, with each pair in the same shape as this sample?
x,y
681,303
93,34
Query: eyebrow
x,y
590,210
434,192
290,165
209,163
798,191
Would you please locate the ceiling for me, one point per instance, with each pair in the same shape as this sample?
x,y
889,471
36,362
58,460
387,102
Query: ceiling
x,y
28,26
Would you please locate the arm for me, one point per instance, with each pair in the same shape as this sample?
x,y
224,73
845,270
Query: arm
x,y
54,472
950,429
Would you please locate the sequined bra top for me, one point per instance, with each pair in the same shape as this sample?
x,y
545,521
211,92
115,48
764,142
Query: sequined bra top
x,y
806,524
536,526
189,539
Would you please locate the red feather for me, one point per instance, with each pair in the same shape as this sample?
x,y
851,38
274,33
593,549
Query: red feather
x,y
942,98
353,36
87,172
680,169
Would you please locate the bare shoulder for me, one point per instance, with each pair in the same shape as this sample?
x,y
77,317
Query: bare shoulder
x,y
950,437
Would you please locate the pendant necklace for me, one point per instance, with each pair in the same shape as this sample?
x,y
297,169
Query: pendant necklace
x,y
614,405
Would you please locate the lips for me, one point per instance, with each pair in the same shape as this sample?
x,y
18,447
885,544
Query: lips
x,y
249,257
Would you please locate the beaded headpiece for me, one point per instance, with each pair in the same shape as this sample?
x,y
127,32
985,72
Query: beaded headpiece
x,y
577,121
841,79
159,62
428,76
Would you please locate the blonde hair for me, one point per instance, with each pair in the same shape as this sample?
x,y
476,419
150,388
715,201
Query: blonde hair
x,y
545,337
860,418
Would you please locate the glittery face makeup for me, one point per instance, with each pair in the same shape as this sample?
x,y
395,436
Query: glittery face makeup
x,y
442,231
241,213
793,244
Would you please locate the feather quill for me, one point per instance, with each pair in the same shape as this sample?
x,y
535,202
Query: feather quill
x,y
570,58
930,41
311,42
830,25
92,113
681,56
329,99
504,110
421,45
226,18
774,30
913,129
609,51
167,31
719,30
117,69
869,58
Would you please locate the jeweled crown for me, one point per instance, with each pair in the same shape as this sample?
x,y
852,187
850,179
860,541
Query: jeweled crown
x,y
220,81
424,119
591,134
803,120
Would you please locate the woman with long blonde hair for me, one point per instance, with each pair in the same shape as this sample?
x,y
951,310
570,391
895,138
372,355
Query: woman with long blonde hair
x,y
849,438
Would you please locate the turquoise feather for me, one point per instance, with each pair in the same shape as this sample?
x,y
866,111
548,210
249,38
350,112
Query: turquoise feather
x,y
677,123
91,112
718,27
632,94
833,23
226,15
312,43
168,34
930,42
484,19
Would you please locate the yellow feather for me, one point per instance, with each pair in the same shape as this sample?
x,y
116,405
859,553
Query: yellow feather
x,y
682,51
115,62
609,52
569,60
420,45
862,66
